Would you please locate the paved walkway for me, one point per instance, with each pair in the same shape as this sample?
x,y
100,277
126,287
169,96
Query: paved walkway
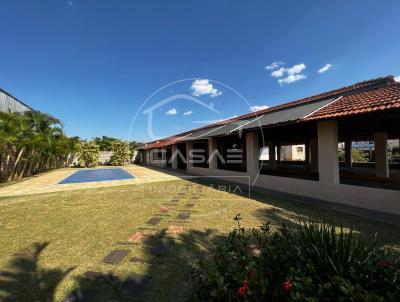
x,y
49,182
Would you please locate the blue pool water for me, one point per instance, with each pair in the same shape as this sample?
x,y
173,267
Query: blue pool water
x,y
97,175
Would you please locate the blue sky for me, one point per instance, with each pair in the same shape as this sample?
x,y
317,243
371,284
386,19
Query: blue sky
x,y
94,63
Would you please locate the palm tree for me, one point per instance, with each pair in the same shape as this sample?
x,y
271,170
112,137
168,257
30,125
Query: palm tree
x,y
31,143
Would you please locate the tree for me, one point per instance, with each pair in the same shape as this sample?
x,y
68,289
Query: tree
x,y
357,155
121,153
31,143
88,153
105,142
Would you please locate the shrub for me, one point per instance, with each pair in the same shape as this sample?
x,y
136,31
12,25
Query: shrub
x,y
88,153
121,153
307,262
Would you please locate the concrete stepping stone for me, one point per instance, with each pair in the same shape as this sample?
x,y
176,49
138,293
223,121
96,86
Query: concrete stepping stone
x,y
154,220
80,295
159,249
135,285
174,230
115,256
138,237
164,210
183,215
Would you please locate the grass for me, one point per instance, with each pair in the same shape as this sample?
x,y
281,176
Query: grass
x,y
59,236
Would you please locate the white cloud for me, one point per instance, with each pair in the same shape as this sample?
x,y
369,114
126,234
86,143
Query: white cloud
x,y
292,78
258,108
325,68
274,65
172,111
289,75
188,112
278,73
204,87
397,79
70,3
296,69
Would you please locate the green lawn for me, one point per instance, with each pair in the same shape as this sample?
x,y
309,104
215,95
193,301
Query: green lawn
x,y
48,241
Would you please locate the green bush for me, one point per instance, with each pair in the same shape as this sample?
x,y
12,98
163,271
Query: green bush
x,y
121,153
88,153
306,262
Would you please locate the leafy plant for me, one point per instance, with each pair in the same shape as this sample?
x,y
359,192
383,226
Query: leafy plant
x,y
31,143
310,261
88,153
121,153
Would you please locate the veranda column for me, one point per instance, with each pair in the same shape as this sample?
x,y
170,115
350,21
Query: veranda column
x,y
252,154
212,153
174,158
328,161
189,160
381,154
164,157
314,154
271,154
347,153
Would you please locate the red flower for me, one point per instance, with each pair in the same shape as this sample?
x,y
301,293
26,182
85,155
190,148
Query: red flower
x,y
286,286
244,289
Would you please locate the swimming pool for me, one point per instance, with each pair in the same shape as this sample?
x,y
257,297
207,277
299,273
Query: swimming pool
x,y
93,175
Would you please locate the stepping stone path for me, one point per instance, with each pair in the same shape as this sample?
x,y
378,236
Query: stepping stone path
x,y
154,220
115,256
135,285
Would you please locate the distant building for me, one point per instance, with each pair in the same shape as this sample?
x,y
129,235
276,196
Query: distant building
x,y
8,103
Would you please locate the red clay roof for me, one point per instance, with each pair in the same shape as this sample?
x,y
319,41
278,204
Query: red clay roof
x,y
383,94
373,100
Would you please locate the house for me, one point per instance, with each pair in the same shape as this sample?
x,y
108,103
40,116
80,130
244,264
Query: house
x,y
8,103
248,148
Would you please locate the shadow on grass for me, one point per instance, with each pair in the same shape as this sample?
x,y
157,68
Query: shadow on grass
x,y
166,274
25,280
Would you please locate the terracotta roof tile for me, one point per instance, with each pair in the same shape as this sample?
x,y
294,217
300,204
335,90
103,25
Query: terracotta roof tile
x,y
384,93
373,100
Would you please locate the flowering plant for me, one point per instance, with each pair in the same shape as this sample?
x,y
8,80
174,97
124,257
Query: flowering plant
x,y
302,262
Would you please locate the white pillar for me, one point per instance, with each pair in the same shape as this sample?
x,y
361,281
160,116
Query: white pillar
x,y
174,157
163,157
271,154
328,160
347,153
314,154
252,154
212,153
189,161
381,154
